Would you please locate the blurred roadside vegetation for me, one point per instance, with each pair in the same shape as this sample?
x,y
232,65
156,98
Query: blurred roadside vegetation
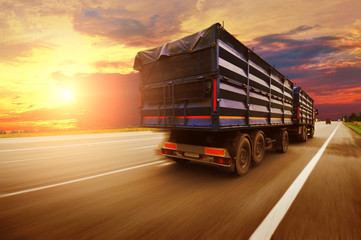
x,y
356,126
353,117
353,121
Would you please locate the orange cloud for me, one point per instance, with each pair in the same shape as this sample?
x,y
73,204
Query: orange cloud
x,y
339,96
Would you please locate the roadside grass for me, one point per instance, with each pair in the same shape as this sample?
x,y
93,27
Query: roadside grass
x,y
356,126
73,132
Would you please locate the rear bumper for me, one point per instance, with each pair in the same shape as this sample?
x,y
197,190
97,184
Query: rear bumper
x,y
202,154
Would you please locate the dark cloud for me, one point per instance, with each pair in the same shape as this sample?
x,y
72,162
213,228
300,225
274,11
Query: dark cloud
x,y
339,78
294,52
97,22
303,54
126,27
90,13
284,37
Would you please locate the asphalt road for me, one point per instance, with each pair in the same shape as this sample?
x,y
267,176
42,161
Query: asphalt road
x,y
114,186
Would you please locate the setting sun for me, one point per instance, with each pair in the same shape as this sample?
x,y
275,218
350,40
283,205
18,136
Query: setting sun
x,y
67,95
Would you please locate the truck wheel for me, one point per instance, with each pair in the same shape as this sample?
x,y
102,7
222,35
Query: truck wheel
x,y
258,150
243,156
312,132
304,133
283,141
303,136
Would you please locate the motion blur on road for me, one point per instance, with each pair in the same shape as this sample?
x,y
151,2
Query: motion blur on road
x,y
115,186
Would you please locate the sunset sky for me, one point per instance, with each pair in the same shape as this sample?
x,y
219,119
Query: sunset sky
x,y
58,58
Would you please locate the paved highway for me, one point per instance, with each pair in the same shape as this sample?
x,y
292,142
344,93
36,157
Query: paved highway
x,y
114,186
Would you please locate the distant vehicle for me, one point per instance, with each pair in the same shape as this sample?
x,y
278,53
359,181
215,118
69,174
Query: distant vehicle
x,y
221,102
328,121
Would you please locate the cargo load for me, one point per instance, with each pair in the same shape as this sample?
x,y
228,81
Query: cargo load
x,y
211,81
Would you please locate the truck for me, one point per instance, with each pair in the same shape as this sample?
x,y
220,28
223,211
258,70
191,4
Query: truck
x,y
221,103
304,115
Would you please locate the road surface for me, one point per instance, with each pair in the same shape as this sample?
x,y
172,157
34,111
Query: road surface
x,y
114,186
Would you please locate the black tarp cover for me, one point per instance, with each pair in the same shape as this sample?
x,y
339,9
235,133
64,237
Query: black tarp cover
x,y
195,42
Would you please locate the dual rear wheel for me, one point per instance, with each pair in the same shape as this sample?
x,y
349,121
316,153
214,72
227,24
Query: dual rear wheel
x,y
249,148
282,141
252,147
259,146
243,155
304,134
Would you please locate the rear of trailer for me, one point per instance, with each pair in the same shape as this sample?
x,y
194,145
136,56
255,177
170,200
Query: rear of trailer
x,y
304,115
221,102
211,81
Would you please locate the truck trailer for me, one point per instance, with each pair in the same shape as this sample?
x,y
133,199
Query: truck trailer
x,y
303,116
221,103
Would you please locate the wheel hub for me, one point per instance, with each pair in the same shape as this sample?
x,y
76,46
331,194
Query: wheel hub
x,y
243,157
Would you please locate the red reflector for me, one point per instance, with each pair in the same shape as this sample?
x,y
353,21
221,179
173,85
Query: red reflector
x,y
214,94
298,112
222,161
167,152
195,117
170,145
154,117
215,151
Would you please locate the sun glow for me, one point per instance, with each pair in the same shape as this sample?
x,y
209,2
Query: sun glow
x,y
67,95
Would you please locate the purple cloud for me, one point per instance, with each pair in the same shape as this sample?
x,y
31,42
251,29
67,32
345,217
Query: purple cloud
x,y
117,25
310,64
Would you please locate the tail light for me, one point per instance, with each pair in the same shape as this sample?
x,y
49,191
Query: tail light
x,y
167,152
298,112
223,161
214,94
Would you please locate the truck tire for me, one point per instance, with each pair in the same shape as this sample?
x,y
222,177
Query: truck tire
x,y
283,141
243,155
312,132
258,147
303,136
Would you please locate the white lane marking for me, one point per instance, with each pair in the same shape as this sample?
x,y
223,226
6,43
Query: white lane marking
x,y
78,180
266,229
41,158
144,147
165,164
79,144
